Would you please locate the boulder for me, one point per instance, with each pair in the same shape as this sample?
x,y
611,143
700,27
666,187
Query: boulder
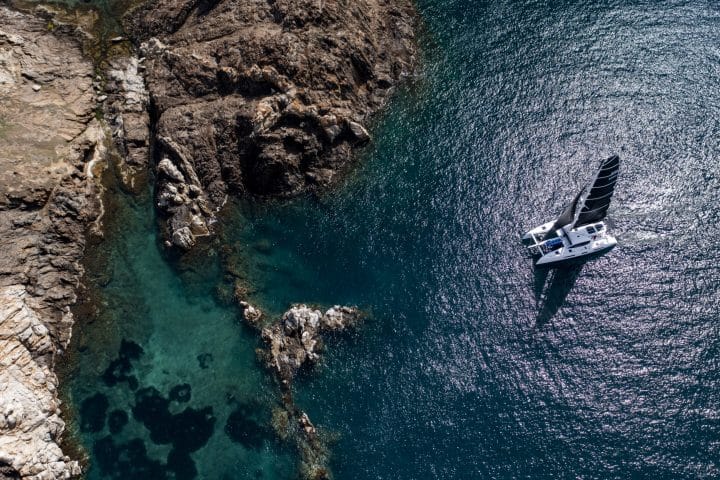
x,y
358,131
170,171
183,238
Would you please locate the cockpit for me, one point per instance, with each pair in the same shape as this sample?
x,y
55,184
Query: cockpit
x,y
551,245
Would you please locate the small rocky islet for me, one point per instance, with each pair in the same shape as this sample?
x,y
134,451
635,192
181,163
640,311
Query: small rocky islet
x,y
214,99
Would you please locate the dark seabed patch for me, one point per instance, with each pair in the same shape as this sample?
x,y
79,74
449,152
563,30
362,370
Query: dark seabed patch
x,y
92,413
117,420
181,464
180,393
204,360
248,426
126,460
121,368
187,431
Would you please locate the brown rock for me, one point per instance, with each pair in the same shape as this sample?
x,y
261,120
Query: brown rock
x,y
51,152
268,98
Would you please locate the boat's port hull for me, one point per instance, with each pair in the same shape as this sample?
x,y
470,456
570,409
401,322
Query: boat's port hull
x,y
538,232
550,260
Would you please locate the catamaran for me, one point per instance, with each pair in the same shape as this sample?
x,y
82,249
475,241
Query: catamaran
x,y
580,230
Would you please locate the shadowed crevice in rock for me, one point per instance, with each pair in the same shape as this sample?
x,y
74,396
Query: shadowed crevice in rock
x,y
8,473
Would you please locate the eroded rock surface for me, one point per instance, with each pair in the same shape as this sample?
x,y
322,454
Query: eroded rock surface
x,y
293,342
126,108
263,97
297,339
51,146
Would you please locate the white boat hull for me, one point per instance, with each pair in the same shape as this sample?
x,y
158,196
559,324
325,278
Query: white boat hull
x,y
568,246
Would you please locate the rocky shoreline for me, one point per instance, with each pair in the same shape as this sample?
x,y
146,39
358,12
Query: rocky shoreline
x,y
51,148
249,99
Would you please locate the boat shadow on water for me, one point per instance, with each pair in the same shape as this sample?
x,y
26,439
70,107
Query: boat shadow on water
x,y
552,287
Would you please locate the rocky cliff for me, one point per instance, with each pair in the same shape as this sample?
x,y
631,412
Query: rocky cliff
x,y
262,97
50,147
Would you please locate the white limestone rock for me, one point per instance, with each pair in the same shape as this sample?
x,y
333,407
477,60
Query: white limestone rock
x,y
30,425
168,168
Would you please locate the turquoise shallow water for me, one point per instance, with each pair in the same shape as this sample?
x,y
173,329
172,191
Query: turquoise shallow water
x,y
164,376
472,364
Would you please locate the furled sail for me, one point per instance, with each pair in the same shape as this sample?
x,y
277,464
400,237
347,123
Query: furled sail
x,y
597,202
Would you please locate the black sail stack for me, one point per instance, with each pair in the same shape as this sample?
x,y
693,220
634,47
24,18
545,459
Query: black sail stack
x,y
579,232
595,206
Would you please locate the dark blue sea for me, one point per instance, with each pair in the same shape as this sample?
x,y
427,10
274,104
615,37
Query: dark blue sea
x,y
472,364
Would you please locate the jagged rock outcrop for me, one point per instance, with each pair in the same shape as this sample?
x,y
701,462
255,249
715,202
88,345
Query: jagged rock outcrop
x,y
264,97
51,148
126,109
292,343
296,340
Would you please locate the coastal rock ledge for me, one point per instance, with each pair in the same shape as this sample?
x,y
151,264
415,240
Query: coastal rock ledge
x,y
51,145
262,98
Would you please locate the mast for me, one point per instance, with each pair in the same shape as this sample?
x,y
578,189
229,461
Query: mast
x,y
565,218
